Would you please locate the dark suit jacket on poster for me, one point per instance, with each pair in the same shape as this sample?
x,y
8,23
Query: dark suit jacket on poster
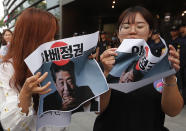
x,y
54,101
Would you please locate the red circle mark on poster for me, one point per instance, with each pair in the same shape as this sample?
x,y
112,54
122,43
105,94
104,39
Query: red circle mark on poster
x,y
62,61
147,51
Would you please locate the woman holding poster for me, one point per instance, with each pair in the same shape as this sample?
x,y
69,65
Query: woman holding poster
x,y
18,88
143,109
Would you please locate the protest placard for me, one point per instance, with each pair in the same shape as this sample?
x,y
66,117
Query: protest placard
x,y
138,65
76,81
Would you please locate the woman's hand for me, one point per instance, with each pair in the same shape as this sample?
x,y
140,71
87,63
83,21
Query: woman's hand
x,y
108,60
92,56
172,101
174,58
31,85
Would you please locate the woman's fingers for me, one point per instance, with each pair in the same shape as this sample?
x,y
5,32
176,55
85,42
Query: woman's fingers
x,y
112,49
108,53
42,77
44,89
45,92
35,80
38,80
32,78
175,63
109,61
171,47
108,58
174,60
174,57
31,84
92,56
176,67
174,54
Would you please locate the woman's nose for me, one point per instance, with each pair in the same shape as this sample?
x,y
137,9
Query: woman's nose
x,y
132,29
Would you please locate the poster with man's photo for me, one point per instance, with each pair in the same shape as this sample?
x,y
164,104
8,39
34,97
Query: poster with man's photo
x,y
139,64
76,81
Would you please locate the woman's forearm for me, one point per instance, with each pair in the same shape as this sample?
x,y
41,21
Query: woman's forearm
x,y
172,101
104,100
25,101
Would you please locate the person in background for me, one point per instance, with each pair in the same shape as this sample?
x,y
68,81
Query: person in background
x,y
115,42
155,43
7,36
155,36
103,44
164,27
19,89
182,31
6,40
143,109
175,39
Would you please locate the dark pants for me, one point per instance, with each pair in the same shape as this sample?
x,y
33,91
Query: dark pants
x,y
1,128
183,77
179,80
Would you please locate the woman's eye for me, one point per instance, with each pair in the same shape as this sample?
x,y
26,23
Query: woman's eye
x,y
140,26
125,26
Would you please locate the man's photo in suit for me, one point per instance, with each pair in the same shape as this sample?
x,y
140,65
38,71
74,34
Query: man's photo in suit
x,y
67,95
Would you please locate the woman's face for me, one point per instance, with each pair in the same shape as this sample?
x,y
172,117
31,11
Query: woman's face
x,y
137,30
7,36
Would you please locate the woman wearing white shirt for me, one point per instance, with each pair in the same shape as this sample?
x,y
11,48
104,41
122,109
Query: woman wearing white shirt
x,y
18,107
7,37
